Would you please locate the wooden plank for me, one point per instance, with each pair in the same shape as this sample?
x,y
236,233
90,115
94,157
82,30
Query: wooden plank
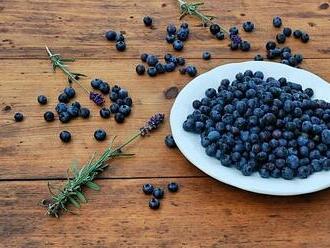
x,y
205,213
32,149
77,27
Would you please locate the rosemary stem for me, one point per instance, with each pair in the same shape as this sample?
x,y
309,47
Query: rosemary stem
x,y
129,141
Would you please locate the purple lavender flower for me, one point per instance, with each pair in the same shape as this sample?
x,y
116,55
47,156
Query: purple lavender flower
x,y
96,98
152,124
235,39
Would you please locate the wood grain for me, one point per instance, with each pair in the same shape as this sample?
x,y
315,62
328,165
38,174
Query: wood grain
x,y
205,213
77,27
27,141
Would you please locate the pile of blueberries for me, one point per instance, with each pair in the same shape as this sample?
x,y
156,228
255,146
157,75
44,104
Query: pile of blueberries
x,y
171,63
121,102
284,53
118,38
270,126
158,193
177,37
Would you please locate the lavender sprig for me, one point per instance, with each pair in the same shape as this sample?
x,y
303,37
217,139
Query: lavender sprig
x,y
72,192
59,62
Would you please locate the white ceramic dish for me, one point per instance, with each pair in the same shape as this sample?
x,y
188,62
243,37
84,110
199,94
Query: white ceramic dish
x,y
189,144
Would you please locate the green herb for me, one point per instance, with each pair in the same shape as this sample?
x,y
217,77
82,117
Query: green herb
x,y
192,9
59,62
72,193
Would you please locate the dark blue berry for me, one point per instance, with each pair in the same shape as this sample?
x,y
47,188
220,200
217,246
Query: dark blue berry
x,y
128,101
65,136
65,117
84,113
100,135
297,34
287,173
245,46
277,21
147,20
120,37
154,203
214,29
304,37
140,69
233,30
248,26
120,46
152,71
270,45
220,35
105,113
171,29
18,117
169,67
191,71
280,37
111,35
70,92
61,107
152,60
158,193
258,57
148,189
104,87
95,83
170,38
144,57
206,55
160,68
49,116
119,118
42,100
125,110
287,32
63,98
170,142
178,45
173,187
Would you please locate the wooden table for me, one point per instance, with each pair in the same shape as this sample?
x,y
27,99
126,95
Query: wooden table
x,y
205,213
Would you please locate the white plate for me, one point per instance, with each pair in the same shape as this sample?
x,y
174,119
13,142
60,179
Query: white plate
x,y
189,143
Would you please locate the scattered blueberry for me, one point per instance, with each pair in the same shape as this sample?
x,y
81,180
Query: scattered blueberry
x,y
119,118
84,113
42,100
248,26
121,46
49,116
144,57
111,35
100,135
178,45
245,46
147,21
154,203
70,92
287,32
297,34
277,22
63,98
191,70
65,136
258,57
280,37
220,35
140,69
95,83
214,29
173,187
170,142
105,113
148,189
233,30
65,117
158,193
114,108
304,37
171,29
125,110
152,60
206,55
152,71
18,117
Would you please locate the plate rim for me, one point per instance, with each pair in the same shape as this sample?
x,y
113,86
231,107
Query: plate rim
x,y
247,64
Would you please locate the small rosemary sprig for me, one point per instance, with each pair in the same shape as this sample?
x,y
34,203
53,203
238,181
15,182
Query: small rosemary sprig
x,y
72,192
192,9
59,62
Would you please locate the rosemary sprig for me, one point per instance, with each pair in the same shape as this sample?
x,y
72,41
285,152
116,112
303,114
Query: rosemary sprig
x,y
72,193
192,9
59,62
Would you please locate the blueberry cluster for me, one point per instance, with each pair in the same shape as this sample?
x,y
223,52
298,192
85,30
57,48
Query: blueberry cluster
x,y
270,126
118,38
155,67
284,54
177,37
237,42
158,193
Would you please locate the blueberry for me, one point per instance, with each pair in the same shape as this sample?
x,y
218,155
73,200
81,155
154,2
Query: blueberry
x,y
180,61
148,188
63,98
299,58
270,45
245,46
70,92
119,117
18,117
95,83
280,38
263,172
182,34
49,116
65,136
152,60
125,110
213,136
169,67
247,169
73,111
104,87
154,203
158,193
144,57
147,20
173,187
287,32
128,101
111,35
170,142
286,55
105,113
170,38
171,29
304,37
220,35
61,107
167,57
100,135
84,113
191,71
120,37
248,26
297,34
122,93
303,171
214,29
206,55
326,136
178,45
115,88
114,108
140,69
277,21
184,25
160,68
233,30
326,164
258,57
152,71
65,117
287,173
42,100
120,46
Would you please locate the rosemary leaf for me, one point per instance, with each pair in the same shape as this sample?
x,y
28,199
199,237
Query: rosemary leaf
x,y
74,202
81,197
93,186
